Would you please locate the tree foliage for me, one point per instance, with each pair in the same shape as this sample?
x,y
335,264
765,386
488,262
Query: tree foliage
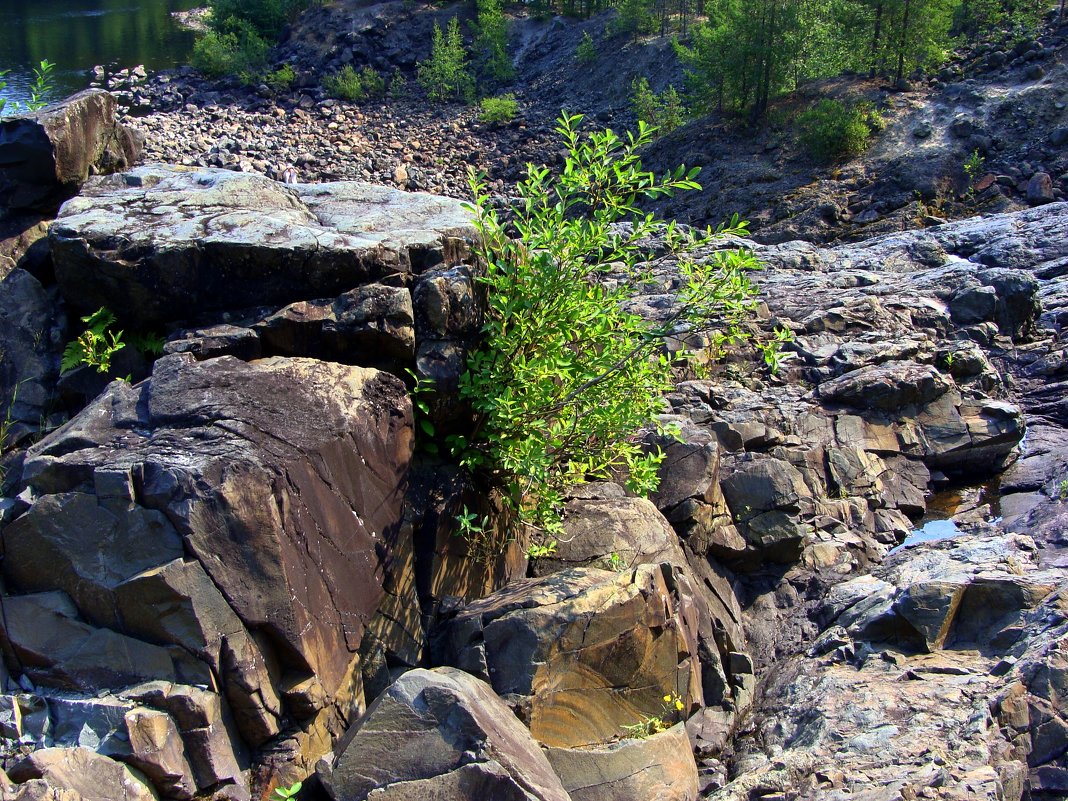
x,y
444,75
492,61
568,379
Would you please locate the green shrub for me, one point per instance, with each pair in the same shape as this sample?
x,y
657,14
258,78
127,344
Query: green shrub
x,y
282,79
236,50
566,380
444,75
499,109
830,130
398,85
665,111
348,84
266,17
586,52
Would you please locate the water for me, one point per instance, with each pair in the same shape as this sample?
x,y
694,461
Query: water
x,y
79,34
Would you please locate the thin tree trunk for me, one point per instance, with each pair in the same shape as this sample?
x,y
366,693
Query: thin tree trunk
x,y
876,35
902,43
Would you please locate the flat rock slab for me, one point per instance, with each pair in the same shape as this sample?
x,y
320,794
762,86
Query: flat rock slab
x,y
160,243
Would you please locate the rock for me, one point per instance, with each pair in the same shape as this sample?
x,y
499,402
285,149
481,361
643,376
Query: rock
x,y
47,155
283,479
1040,189
612,533
887,387
33,330
440,734
657,767
214,239
372,325
584,651
90,776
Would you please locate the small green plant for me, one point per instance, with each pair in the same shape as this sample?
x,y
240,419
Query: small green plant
x,y
540,550
286,793
479,534
282,79
43,83
616,562
1062,489
398,85
422,389
348,84
444,75
654,724
665,111
771,349
567,380
973,169
586,52
42,86
830,130
96,346
499,109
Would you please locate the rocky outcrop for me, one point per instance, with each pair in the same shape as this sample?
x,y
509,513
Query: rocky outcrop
x,y
47,155
440,734
584,652
163,244
246,511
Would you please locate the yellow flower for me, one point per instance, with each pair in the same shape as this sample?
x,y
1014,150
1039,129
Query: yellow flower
x,y
667,699
678,704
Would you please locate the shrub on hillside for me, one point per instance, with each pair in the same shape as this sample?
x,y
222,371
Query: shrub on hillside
x,y
282,79
267,17
831,130
664,111
586,52
235,49
499,109
348,84
444,75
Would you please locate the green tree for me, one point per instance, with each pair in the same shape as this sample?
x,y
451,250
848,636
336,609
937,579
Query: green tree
x,y
635,18
444,75
492,62
566,379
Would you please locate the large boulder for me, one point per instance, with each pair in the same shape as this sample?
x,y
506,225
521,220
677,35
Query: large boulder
x,y
158,243
223,524
47,155
583,652
90,776
440,734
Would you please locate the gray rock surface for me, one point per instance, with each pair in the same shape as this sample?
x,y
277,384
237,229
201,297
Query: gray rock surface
x,y
161,243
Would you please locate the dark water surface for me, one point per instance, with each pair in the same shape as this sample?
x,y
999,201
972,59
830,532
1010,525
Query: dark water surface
x,y
79,34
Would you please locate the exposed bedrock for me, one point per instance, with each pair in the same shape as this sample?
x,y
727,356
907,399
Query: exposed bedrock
x,y
163,244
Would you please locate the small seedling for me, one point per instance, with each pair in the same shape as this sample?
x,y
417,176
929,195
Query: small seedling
x,y
616,563
973,168
286,793
1062,489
